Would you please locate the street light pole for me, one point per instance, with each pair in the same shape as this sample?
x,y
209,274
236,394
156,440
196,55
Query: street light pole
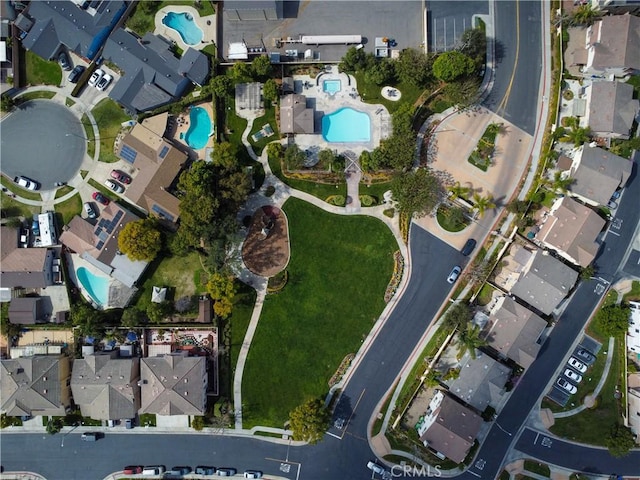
x,y
62,441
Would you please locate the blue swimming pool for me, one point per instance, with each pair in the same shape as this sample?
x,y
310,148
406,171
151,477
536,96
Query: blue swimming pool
x,y
346,125
331,86
96,286
200,128
184,24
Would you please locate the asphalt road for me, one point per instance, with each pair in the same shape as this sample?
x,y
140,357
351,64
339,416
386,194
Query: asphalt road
x,y
518,33
57,154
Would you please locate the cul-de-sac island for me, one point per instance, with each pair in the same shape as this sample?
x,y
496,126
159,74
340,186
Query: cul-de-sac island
x,y
320,239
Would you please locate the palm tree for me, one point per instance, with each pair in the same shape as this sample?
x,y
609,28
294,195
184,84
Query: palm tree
x,y
483,204
560,183
585,15
469,340
578,135
458,191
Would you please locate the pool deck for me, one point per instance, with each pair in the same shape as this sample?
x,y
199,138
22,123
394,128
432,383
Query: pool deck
x,y
207,25
181,126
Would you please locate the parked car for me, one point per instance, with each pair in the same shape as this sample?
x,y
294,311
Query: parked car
x,y
115,186
104,82
121,176
453,276
128,423
76,73
566,386
379,469
252,474
90,436
577,365
95,77
27,183
112,423
181,470
100,198
585,355
154,470
132,469
226,472
91,213
205,470
468,247
612,205
35,227
573,376
24,237
63,60
616,195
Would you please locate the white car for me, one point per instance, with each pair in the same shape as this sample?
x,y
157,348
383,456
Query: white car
x,y
577,365
27,183
379,469
96,77
453,276
104,82
573,376
566,386
115,186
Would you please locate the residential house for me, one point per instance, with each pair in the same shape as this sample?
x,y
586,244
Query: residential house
x,y
7,16
597,173
51,26
537,278
105,385
174,384
633,332
616,7
35,385
253,10
481,382
157,163
23,267
26,310
152,75
295,116
613,46
572,230
611,109
98,244
448,427
633,401
514,331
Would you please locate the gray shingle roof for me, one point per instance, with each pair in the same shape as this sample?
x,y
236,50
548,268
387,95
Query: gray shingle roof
x,y
612,109
599,174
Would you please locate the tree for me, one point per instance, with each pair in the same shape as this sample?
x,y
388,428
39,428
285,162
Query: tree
x,y
417,192
452,65
613,320
469,340
458,191
478,271
462,93
275,151
414,67
7,103
474,45
585,15
353,60
620,440
270,91
132,317
381,72
261,67
158,312
482,204
54,425
587,272
326,158
221,86
222,288
294,157
87,319
225,155
140,240
459,314
518,207
309,421
241,71
197,423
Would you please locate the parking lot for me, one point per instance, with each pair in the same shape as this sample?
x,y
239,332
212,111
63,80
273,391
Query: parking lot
x,y
447,21
585,353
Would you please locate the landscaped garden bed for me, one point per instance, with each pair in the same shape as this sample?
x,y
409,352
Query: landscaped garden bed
x,y
482,155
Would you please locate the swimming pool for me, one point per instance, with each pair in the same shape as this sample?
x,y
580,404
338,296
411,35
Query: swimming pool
x,y
96,286
200,128
331,86
184,24
346,125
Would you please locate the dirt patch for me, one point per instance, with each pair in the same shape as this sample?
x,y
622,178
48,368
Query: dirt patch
x,y
266,249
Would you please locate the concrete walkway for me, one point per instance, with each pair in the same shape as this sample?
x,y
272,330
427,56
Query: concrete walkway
x,y
589,400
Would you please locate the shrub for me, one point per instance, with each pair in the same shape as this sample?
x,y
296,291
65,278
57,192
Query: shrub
x,y
389,212
197,423
367,200
337,200
269,191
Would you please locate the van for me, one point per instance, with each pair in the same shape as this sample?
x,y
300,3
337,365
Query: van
x,y
90,436
153,470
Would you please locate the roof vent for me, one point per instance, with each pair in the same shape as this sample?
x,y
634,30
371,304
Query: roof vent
x,y
44,379
45,391
186,393
186,380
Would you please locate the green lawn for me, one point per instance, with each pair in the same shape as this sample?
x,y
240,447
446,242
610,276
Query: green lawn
x,y
634,294
109,117
19,191
372,93
88,131
142,21
338,273
36,95
376,190
41,71
537,467
13,208
240,318
62,191
270,118
69,208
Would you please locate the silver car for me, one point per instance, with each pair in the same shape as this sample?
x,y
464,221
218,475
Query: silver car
x,y
115,186
573,376
453,276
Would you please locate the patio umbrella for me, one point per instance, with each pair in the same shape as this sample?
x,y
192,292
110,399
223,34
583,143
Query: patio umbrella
x,y
132,337
89,340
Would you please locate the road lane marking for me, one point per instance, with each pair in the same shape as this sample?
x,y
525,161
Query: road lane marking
x,y
474,473
346,425
503,103
536,439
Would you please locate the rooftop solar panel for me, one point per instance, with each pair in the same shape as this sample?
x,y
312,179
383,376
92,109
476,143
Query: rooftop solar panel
x,y
128,153
100,245
163,152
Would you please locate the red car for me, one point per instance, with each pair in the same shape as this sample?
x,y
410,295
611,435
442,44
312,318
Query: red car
x,y
121,176
132,469
100,198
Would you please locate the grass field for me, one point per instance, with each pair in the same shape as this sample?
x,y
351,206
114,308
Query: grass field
x,y
270,118
41,72
88,131
109,117
14,208
372,93
62,191
36,95
69,208
338,273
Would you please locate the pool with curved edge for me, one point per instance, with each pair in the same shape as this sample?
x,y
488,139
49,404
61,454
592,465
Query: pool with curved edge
x,y
96,286
184,24
200,128
346,125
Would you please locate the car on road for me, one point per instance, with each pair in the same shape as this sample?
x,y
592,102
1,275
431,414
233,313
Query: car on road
x,y
115,186
100,198
573,376
585,355
104,82
566,386
121,176
468,247
76,73
616,195
205,470
90,436
96,77
577,365
154,470
226,472
252,474
180,470
27,183
379,469
89,210
63,60
453,276
612,205
132,469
